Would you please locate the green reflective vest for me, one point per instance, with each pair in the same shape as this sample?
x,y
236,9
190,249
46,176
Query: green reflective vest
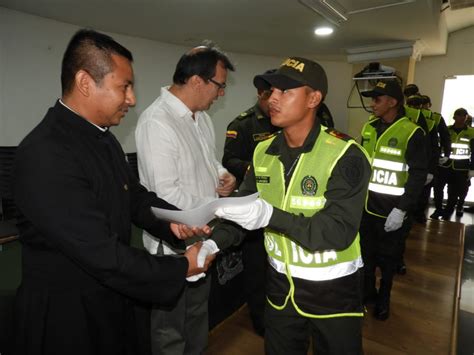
x,y
460,156
432,118
305,195
389,168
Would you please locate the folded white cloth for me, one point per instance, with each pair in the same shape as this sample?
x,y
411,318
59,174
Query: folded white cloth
x,y
251,216
208,247
394,220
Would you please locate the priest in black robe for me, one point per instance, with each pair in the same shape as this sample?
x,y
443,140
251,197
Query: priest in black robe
x,y
78,198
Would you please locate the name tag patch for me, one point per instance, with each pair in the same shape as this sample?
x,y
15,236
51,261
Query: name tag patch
x,y
262,179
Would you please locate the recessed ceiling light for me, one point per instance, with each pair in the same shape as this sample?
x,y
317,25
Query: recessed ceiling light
x,y
323,31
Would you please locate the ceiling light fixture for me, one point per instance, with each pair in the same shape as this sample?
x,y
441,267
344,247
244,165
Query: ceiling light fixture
x,y
331,10
323,31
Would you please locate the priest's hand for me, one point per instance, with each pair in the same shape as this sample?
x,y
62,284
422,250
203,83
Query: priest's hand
x,y
182,231
198,260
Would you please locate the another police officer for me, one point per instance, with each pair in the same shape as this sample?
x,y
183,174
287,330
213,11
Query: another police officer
x,y
312,183
457,170
399,168
243,134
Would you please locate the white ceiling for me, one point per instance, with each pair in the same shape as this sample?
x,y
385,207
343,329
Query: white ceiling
x,y
265,27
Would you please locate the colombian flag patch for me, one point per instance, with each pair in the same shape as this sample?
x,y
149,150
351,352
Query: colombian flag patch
x,y
231,134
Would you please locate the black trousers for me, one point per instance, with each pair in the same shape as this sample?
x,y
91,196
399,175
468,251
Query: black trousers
x,y
423,200
381,249
254,258
458,185
287,332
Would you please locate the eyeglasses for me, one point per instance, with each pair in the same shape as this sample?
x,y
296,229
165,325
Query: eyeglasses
x,y
221,86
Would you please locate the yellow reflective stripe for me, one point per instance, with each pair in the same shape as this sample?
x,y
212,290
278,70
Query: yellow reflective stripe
x,y
390,165
386,190
261,169
317,273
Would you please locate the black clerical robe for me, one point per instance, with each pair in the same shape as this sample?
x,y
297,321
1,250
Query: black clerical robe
x,y
79,197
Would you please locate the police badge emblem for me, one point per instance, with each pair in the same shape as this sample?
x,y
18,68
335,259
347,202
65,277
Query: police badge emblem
x,y
309,186
393,142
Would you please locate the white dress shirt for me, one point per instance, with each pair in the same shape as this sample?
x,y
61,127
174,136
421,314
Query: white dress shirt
x,y
176,156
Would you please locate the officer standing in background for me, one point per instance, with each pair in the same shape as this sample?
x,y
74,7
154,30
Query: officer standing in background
x,y
438,128
243,134
399,168
457,170
313,183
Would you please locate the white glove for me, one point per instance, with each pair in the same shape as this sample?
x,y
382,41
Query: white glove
x,y
443,160
251,216
394,220
429,178
471,174
208,247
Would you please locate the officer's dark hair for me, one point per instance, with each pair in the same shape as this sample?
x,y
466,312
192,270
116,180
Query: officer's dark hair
x,y
410,90
414,100
460,112
425,99
90,51
200,61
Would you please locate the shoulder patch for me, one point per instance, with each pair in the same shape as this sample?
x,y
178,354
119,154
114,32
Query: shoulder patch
x,y
245,114
338,134
231,134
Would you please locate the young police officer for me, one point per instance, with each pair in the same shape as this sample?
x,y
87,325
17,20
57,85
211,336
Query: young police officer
x,y
397,148
312,183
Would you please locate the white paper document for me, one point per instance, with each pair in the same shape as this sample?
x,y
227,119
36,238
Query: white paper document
x,y
202,215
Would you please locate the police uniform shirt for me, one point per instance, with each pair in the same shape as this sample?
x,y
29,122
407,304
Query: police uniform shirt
x,y
346,188
242,136
334,227
471,143
415,158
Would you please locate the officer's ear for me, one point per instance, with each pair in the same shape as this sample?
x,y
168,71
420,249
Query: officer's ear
x,y
315,98
392,102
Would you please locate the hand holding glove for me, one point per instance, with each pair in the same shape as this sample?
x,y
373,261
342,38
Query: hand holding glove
x,y
394,220
443,160
251,216
208,248
429,178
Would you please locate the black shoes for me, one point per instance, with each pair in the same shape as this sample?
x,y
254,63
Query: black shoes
x,y
402,269
436,214
382,311
447,215
459,211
